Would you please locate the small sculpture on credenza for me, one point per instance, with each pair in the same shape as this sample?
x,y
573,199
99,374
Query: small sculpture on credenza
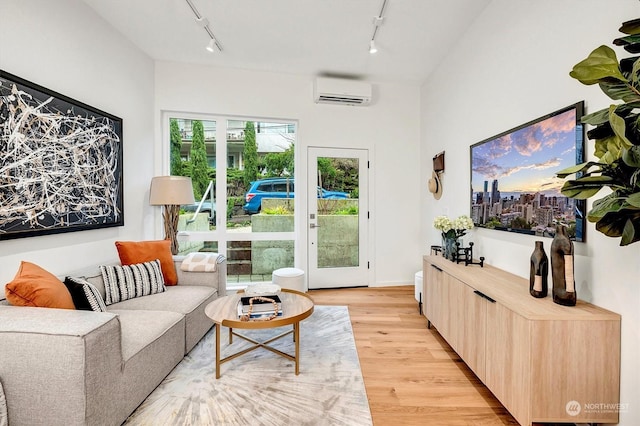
x,y
564,286
539,271
465,254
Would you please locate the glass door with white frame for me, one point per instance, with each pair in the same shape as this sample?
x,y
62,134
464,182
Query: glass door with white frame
x,y
337,217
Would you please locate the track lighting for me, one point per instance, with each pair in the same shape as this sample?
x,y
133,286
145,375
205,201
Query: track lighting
x,y
377,21
211,46
372,47
204,23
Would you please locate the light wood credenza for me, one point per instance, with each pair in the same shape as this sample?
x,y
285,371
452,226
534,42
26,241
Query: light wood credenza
x,y
544,362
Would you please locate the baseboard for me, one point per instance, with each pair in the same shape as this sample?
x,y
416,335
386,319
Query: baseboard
x,y
391,284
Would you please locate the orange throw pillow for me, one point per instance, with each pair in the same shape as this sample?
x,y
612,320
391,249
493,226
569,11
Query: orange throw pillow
x,y
34,286
132,252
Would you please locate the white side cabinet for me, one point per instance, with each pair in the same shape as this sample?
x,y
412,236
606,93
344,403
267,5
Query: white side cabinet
x,y
538,358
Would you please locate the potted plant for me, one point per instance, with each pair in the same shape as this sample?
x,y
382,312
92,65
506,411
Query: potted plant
x,y
617,140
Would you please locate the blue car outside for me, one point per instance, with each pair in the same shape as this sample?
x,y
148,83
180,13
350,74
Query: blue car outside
x,y
278,188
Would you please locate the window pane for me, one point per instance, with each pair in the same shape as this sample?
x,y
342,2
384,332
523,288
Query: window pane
x,y
338,208
261,182
187,247
254,261
193,153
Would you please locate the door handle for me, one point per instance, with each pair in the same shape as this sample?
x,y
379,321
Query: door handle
x,y
313,225
484,296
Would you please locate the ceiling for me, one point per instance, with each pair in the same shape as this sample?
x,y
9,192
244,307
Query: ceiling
x,y
306,37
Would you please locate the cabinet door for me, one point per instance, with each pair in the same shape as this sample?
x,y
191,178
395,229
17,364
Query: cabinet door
x,y
472,333
454,313
507,361
432,291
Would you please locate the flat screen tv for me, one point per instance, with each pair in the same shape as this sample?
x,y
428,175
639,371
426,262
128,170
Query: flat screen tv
x,y
513,176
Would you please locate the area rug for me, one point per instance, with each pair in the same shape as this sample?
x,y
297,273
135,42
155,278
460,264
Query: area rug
x,y
261,388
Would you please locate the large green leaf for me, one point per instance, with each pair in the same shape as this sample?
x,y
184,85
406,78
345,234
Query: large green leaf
x,y
600,148
585,187
626,65
607,204
596,118
623,41
631,43
630,27
612,224
631,156
632,128
629,233
634,199
619,127
601,131
602,63
607,149
576,169
623,223
616,90
635,71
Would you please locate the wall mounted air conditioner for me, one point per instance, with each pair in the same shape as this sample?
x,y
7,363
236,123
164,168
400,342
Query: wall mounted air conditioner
x,y
341,91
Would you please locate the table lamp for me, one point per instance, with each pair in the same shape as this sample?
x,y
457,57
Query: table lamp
x,y
171,192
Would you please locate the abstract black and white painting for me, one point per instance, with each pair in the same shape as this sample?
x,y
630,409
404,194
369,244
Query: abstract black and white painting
x,y
60,162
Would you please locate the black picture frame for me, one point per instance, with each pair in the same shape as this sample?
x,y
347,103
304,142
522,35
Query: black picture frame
x,y
60,163
521,164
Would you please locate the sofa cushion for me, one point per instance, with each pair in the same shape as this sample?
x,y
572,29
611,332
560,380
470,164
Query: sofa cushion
x,y
34,286
179,299
141,328
189,301
124,282
84,294
131,252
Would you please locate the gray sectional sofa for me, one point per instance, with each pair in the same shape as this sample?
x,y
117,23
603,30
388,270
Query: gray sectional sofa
x,y
71,367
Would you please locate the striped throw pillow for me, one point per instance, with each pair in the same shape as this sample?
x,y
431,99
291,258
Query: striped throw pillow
x,y
129,281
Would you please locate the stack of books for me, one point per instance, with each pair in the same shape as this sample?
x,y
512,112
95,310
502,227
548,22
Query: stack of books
x,y
261,308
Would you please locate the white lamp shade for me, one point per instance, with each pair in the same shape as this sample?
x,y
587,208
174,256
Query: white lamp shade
x,y
171,190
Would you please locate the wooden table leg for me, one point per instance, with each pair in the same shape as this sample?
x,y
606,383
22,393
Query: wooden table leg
x,y
296,337
217,350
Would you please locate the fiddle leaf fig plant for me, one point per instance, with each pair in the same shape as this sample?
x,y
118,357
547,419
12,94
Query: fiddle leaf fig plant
x,y
616,136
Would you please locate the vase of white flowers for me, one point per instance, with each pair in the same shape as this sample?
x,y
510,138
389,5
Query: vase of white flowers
x,y
452,231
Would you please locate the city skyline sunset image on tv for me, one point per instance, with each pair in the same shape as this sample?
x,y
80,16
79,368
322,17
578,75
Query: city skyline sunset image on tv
x,y
513,176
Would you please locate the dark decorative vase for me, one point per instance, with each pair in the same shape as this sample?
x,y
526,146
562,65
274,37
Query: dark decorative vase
x,y
564,286
450,248
538,286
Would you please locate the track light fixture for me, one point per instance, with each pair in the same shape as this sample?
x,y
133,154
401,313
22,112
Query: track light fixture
x,y
211,46
204,23
377,21
372,47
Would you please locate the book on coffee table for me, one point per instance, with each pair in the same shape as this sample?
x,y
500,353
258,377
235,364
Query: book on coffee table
x,y
260,306
256,315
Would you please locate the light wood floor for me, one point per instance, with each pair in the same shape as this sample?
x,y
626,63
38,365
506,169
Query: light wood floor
x,y
411,375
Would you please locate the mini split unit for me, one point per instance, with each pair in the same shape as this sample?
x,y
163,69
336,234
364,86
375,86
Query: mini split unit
x,y
341,91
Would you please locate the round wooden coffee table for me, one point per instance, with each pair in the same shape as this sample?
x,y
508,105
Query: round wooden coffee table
x,y
296,306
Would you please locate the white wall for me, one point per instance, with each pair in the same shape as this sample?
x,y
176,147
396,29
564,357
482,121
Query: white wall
x,y
389,128
64,46
509,68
